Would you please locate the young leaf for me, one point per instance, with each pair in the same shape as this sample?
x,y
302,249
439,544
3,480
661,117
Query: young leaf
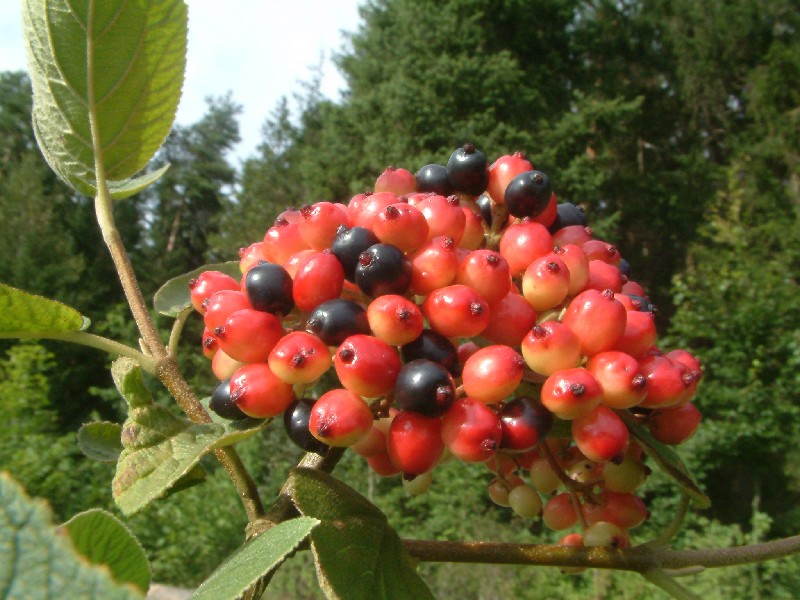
x,y
174,296
23,314
100,440
667,460
255,559
234,431
358,555
36,562
112,68
159,449
102,539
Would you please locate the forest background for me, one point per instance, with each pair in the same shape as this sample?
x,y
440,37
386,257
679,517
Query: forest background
x,y
676,124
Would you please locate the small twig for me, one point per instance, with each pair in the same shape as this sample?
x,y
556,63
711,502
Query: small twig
x,y
668,534
177,329
661,579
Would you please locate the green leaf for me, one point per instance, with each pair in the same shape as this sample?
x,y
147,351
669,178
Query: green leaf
x,y
357,554
36,562
25,315
118,63
667,460
129,187
100,440
234,431
255,559
159,448
174,296
102,539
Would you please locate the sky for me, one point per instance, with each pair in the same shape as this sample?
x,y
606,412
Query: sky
x,y
259,50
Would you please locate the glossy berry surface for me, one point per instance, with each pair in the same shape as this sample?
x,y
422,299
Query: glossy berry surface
x,y
467,170
383,269
425,387
336,320
432,346
492,373
414,442
222,403
340,418
366,365
348,245
269,288
433,178
295,421
525,421
471,430
528,194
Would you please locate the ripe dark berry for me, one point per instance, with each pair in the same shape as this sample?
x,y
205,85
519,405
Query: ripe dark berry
x,y
383,269
336,320
348,246
425,387
222,404
467,170
484,203
528,194
502,171
432,346
524,423
433,178
569,214
269,288
295,421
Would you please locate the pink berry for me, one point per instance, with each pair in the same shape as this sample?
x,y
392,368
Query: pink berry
x,y
674,425
434,266
523,243
510,320
300,357
492,373
550,347
456,311
401,225
415,442
249,335
318,279
546,282
618,373
397,181
208,283
395,319
471,430
318,224
444,217
366,365
259,393
600,435
487,272
597,319
340,418
571,393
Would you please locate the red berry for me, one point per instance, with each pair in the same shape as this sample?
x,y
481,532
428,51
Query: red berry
x,y
545,282
559,513
492,373
397,181
523,243
220,305
401,225
250,256
502,171
208,283
471,430
674,425
487,272
601,435
473,237
598,319
366,365
571,393
510,320
434,266
572,234
550,347
319,223
259,393
249,335
578,265
300,357
666,384
603,251
367,210
340,418
603,275
319,279
223,366
639,334
281,241
209,344
395,319
624,385
415,442
444,217
456,311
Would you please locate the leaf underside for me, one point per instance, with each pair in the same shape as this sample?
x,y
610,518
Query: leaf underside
x,y
36,562
115,62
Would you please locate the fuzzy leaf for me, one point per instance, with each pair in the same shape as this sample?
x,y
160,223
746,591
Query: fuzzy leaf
x,y
234,431
102,539
253,560
357,554
124,189
667,460
25,315
36,562
100,440
159,448
174,297
117,63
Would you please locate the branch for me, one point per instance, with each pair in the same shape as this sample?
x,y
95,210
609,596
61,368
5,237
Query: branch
x,y
166,369
642,559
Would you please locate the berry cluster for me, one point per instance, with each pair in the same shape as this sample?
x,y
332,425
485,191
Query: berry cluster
x,y
461,312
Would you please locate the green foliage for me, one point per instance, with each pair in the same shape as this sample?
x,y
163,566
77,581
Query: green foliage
x,y
103,540
23,314
174,296
36,562
106,83
255,559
